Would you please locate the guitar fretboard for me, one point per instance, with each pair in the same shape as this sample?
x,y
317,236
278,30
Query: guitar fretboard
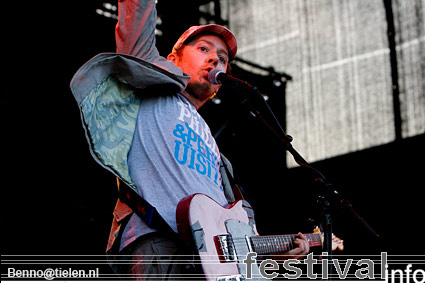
x,y
281,243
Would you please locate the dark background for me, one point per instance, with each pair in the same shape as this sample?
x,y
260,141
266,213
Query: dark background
x,y
57,200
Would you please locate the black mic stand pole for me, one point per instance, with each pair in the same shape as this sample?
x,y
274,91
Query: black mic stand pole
x,y
250,96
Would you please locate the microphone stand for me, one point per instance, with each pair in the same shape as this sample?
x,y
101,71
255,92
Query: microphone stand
x,y
250,95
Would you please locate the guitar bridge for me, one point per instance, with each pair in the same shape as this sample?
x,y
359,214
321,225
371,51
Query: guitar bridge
x,y
226,248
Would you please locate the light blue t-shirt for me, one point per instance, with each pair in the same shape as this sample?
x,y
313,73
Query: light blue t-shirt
x,y
173,155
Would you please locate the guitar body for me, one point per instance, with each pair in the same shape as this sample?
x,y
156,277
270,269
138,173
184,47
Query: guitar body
x,y
223,236
201,220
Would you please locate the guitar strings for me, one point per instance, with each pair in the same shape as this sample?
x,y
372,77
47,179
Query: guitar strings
x,y
266,244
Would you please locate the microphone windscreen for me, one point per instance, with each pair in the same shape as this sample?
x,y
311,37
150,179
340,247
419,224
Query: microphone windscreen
x,y
212,76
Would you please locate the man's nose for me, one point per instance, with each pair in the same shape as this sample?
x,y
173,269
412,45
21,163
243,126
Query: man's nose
x,y
213,59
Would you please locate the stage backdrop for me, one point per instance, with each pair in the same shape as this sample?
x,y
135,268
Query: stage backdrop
x,y
351,88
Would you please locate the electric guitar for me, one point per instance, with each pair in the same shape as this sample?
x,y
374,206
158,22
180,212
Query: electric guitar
x,y
223,236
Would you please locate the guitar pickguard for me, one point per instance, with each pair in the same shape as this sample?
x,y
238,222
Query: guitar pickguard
x,y
198,237
238,231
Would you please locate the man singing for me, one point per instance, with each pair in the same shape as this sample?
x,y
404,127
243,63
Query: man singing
x,y
140,114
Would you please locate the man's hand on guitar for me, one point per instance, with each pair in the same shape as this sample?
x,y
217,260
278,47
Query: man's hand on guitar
x,y
302,248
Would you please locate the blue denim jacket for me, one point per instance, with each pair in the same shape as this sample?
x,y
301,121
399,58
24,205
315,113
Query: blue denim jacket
x,y
109,107
105,90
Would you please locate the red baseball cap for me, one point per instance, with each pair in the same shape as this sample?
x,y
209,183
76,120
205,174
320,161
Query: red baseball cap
x,y
219,30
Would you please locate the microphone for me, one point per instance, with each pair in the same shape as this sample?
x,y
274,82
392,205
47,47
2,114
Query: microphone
x,y
219,77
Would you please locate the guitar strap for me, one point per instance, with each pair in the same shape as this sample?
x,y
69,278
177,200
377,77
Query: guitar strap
x,y
235,187
236,190
142,208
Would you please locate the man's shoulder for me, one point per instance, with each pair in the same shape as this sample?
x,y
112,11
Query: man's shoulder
x,y
136,72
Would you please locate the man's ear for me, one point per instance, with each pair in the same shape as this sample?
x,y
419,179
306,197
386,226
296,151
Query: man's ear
x,y
172,57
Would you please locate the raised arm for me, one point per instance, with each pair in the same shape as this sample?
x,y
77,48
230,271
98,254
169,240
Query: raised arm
x,y
135,30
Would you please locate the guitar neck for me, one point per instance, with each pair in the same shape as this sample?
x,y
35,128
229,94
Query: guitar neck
x,y
281,243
